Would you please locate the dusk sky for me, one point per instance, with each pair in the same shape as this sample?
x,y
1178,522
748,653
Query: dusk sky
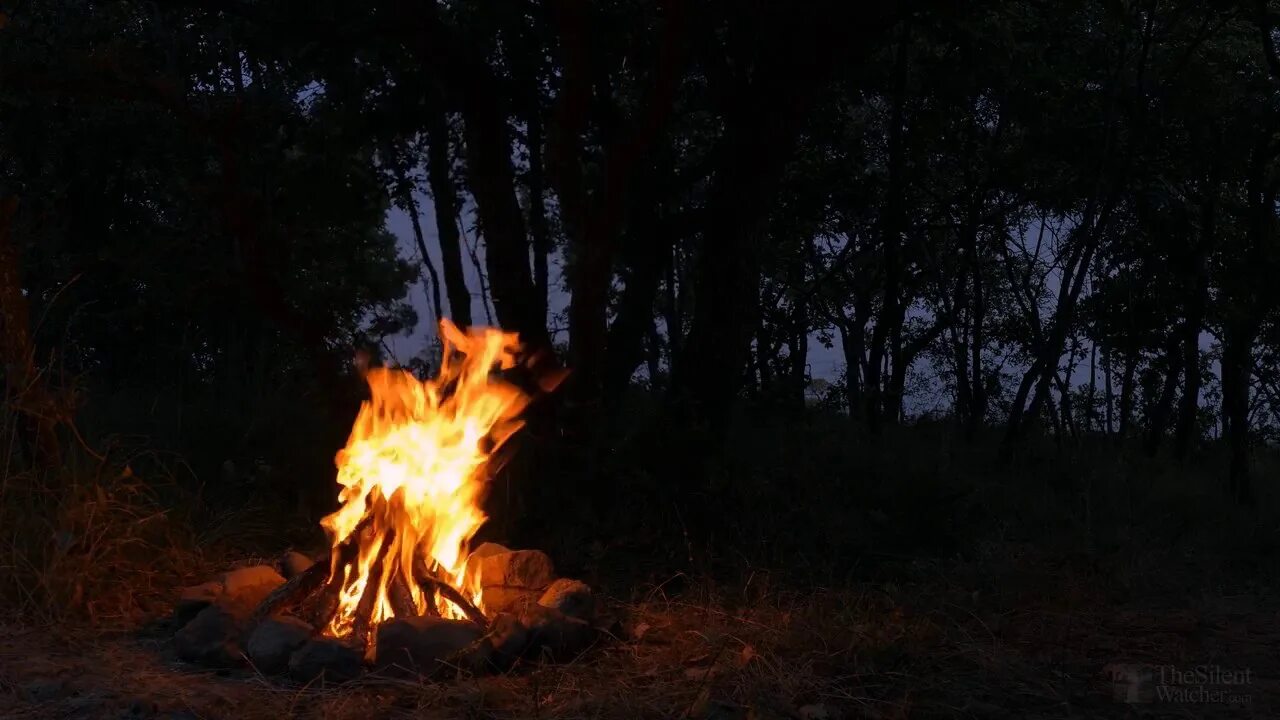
x,y
824,363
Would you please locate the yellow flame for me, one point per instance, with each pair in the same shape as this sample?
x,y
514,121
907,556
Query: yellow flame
x,y
414,465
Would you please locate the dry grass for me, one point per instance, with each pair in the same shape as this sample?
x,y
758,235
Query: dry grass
x,y
93,551
97,546
1014,634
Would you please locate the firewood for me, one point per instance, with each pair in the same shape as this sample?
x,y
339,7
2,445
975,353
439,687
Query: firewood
x,y
298,589
434,585
365,606
401,599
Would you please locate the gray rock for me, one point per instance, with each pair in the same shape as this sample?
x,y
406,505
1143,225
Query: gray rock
x,y
571,597
250,582
480,553
194,599
556,635
327,660
293,564
274,640
430,644
500,599
213,637
509,639
530,569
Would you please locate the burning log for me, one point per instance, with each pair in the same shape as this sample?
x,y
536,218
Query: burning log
x,y
300,587
432,585
369,598
402,599
292,593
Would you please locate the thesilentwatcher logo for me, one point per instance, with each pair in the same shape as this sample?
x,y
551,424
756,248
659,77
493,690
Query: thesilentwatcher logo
x,y
1200,684
1132,683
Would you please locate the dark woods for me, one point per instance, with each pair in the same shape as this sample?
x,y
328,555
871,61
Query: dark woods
x,y
1045,223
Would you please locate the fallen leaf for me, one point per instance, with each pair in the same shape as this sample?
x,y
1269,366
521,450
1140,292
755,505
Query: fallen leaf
x,y
746,655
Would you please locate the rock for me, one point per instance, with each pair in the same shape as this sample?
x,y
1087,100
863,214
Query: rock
x,y
194,599
293,564
274,640
530,569
428,644
498,599
251,583
213,636
509,639
327,660
571,597
473,560
554,634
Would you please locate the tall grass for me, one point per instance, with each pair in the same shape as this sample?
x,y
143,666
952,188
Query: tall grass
x,y
91,539
807,495
108,534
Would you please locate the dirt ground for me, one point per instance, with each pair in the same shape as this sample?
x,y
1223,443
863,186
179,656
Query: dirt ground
x,y
1014,635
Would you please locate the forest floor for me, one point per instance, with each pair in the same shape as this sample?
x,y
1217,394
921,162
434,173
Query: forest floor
x,y
1012,632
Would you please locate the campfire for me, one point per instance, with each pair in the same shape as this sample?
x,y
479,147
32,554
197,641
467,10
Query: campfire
x,y
412,482
401,587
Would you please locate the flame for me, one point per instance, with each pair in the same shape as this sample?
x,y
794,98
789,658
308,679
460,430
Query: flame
x,y
414,466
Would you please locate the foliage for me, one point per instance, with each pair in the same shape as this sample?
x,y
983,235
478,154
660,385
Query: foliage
x,y
1052,223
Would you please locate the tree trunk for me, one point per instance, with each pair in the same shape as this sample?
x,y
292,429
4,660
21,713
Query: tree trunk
x,y
1126,393
625,349
1091,412
1109,391
1236,352
765,112
653,356
538,210
978,315
444,196
851,342
888,328
1047,355
593,218
648,260
799,365
960,358
486,297
433,280
671,307
1187,430
763,343
471,85
1164,403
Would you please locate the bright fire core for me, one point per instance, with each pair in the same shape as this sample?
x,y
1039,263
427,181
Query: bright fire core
x,y
415,467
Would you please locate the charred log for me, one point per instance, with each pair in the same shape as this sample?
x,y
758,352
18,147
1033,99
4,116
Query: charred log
x,y
433,585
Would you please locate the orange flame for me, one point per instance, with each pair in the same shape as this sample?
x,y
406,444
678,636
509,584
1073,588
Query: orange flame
x,y
414,466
